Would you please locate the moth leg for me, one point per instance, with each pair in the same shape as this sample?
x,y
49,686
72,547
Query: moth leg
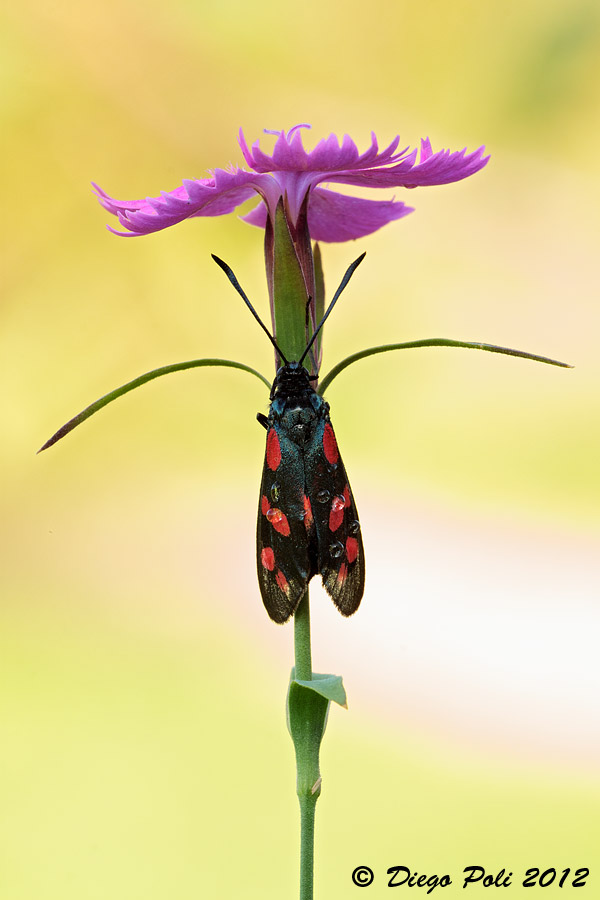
x,y
260,417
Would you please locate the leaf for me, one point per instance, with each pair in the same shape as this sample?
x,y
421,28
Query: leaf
x,y
307,712
433,342
138,382
306,718
329,686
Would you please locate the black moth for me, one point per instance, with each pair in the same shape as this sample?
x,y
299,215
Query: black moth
x,y
307,518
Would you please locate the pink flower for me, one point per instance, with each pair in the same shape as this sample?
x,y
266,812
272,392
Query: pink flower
x,y
296,175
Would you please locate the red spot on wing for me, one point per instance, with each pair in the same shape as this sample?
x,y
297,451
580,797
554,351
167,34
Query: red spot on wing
x,y
308,515
278,520
267,558
343,572
347,496
336,515
273,450
330,447
351,549
282,582
276,517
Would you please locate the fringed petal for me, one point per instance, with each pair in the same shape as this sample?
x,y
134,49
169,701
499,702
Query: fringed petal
x,y
334,217
214,196
329,155
442,167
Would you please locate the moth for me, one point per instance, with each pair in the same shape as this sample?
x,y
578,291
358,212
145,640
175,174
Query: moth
x,y
307,518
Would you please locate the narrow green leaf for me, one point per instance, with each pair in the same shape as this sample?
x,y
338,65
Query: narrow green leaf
x,y
433,342
138,382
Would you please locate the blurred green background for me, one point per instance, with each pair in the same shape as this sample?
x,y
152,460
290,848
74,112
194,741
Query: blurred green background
x,y
143,750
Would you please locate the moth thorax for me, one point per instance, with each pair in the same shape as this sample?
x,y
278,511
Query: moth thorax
x,y
299,423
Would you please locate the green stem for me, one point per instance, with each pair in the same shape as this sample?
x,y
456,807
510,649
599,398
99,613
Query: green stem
x,y
307,755
302,652
307,845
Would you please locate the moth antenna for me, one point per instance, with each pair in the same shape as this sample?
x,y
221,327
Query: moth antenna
x,y
349,273
229,272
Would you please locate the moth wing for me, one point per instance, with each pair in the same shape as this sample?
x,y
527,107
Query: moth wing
x,y
341,558
282,538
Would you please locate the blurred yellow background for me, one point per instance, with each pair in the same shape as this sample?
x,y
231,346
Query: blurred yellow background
x,y
143,750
